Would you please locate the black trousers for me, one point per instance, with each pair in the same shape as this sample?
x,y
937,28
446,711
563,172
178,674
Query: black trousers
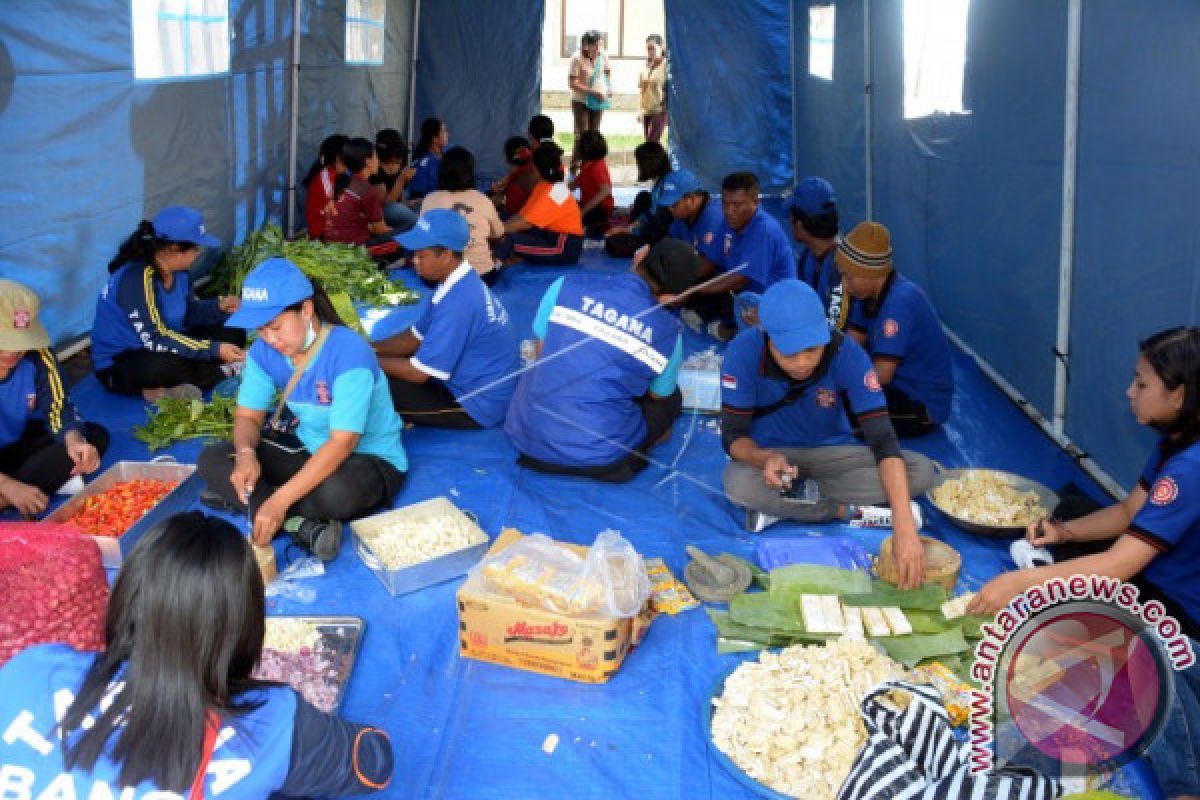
x,y
660,414
429,404
135,370
40,460
909,417
360,485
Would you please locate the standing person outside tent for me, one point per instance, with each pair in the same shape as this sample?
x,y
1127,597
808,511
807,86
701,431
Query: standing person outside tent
x,y
591,88
894,320
150,335
652,83
463,345
169,708
43,440
339,455
603,391
783,423
815,225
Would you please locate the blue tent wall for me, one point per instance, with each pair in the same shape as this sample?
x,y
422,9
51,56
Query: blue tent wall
x,y
98,151
1137,249
730,96
357,100
479,71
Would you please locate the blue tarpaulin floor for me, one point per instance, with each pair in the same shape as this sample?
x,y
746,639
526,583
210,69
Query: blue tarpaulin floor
x,y
465,729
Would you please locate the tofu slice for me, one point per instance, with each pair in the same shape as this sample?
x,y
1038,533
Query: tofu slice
x,y
815,608
853,618
896,621
957,607
875,622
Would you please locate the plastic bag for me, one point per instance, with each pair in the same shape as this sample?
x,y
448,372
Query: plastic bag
x,y
287,583
540,572
52,588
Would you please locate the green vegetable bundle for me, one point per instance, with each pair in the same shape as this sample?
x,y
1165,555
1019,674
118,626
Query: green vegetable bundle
x,y
176,419
336,267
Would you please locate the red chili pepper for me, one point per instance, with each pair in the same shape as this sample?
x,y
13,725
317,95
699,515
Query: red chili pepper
x,y
115,510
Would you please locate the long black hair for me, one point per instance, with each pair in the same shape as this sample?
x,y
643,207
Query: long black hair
x,y
143,246
653,163
430,129
1174,355
331,148
547,160
456,172
355,153
322,306
185,623
390,146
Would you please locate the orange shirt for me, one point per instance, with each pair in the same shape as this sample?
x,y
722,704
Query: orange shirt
x,y
553,208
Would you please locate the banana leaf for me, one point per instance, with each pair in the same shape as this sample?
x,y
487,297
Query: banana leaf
x,y
914,648
795,580
882,594
766,610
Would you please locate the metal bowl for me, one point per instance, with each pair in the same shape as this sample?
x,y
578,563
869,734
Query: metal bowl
x,y
1046,499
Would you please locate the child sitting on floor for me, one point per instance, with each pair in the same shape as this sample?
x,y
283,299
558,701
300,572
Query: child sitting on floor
x,y
594,184
510,192
549,229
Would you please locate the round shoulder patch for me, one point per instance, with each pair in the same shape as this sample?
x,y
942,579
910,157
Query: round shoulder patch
x,y
890,327
871,381
708,237
1164,491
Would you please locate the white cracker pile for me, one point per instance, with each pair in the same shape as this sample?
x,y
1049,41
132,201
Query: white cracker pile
x,y
411,540
791,720
986,498
290,635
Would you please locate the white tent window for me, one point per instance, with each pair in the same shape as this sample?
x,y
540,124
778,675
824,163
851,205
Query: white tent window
x,y
180,38
821,24
935,54
365,31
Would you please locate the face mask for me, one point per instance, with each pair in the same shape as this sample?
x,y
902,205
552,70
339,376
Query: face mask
x,y
309,337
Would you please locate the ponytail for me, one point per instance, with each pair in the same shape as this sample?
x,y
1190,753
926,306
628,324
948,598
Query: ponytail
x,y
141,247
322,306
547,160
331,148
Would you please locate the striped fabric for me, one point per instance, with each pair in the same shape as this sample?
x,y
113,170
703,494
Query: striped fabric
x,y
913,755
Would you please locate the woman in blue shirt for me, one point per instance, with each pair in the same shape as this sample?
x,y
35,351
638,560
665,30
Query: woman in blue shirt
x,y
151,336
169,708
1151,538
427,158
43,441
340,456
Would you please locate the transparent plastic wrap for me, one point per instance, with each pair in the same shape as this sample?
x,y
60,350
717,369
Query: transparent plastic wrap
x,y
540,572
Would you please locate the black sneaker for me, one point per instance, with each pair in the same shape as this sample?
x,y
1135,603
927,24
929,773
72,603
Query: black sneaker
x,y
322,538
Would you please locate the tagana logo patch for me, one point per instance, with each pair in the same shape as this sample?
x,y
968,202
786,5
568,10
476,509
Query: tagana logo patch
x,y
1164,492
871,381
252,294
22,318
553,633
890,328
826,398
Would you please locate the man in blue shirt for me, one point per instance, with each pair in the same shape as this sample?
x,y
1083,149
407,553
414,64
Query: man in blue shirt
x,y
894,320
456,366
754,254
697,220
783,424
815,226
603,390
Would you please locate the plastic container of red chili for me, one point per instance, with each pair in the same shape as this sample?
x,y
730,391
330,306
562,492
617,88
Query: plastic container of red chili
x,y
163,487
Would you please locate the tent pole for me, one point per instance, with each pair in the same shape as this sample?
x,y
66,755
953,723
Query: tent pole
x,y
294,122
868,101
412,72
1066,249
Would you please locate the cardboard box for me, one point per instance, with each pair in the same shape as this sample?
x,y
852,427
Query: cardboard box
x,y
501,630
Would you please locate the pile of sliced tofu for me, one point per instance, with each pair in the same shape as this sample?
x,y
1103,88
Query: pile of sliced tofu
x,y
825,613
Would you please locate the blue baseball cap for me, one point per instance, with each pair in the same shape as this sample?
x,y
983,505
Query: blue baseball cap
x,y
813,195
677,184
792,315
182,224
268,290
440,227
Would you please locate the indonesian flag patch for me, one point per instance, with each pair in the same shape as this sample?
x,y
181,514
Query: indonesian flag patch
x,y
1164,492
728,381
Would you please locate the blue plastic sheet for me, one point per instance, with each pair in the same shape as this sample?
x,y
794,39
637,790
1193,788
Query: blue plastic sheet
x,y
462,728
730,95
479,71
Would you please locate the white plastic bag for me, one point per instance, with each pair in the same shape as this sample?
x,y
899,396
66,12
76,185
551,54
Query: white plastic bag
x,y
540,572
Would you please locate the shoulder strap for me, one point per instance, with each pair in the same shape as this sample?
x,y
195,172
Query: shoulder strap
x,y
797,389
299,367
